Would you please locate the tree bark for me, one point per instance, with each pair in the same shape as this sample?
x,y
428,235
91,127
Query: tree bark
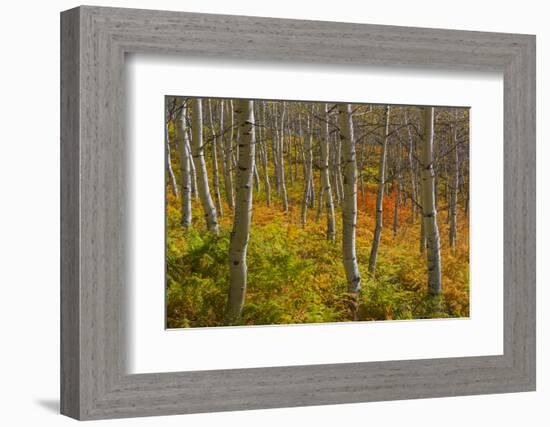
x,y
263,153
454,187
274,138
333,171
325,178
429,211
243,213
349,210
380,195
194,185
308,167
228,154
169,169
200,164
338,163
412,173
214,144
186,182
281,161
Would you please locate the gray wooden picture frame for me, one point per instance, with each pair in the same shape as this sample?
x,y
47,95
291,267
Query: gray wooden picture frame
x,y
94,382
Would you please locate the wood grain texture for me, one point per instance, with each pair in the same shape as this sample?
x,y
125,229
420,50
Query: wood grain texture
x,y
94,196
70,314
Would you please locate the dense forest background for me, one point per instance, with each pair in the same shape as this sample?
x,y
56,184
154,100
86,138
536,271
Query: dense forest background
x,y
284,212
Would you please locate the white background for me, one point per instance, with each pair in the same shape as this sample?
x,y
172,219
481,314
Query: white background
x,y
153,349
29,217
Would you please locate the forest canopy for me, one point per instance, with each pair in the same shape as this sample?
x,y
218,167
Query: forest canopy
x,y
282,212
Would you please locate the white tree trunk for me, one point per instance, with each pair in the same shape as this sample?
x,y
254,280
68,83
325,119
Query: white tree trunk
x,y
334,166
214,144
220,144
308,167
256,177
429,212
194,186
412,173
243,213
325,178
263,152
338,164
380,196
186,182
228,154
454,186
349,209
169,169
273,136
281,161
200,164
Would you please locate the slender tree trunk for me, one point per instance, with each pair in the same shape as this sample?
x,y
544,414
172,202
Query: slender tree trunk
x,y
429,211
311,192
274,137
194,186
380,196
186,182
308,170
289,154
334,172
243,214
396,207
282,161
220,144
339,178
256,178
422,243
412,173
215,175
399,185
263,154
200,164
361,163
169,169
320,201
454,188
325,178
228,154
349,210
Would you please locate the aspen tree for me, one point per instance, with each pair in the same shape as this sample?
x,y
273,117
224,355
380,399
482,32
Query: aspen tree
x,y
334,167
429,212
454,184
221,146
338,170
273,136
169,169
214,151
186,182
200,164
325,178
380,194
281,161
308,169
228,153
412,172
349,209
243,213
263,152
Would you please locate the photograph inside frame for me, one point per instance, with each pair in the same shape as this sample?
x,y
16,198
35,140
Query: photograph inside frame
x,y
297,212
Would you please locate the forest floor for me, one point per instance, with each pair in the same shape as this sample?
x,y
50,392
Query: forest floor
x,y
296,276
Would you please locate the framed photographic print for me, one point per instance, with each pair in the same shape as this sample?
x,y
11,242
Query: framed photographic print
x,y
261,213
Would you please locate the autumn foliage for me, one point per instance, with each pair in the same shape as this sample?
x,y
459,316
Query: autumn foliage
x,y
295,275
